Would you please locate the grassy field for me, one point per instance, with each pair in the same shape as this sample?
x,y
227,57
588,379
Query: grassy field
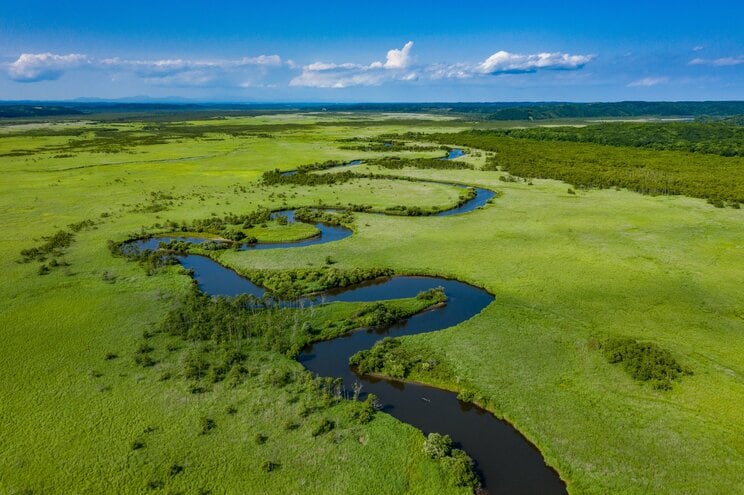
x,y
568,270
70,416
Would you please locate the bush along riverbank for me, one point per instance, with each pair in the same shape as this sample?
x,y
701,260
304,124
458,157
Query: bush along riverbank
x,y
216,345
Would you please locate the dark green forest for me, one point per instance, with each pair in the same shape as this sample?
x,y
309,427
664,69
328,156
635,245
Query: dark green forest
x,y
714,138
497,111
718,179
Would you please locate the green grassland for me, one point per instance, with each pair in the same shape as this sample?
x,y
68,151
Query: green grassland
x,y
567,270
268,232
70,416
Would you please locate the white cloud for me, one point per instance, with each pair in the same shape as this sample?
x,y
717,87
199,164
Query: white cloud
x,y
648,82
268,60
34,67
264,70
318,66
719,62
189,78
399,59
398,67
503,62
337,79
450,71
168,67
321,66
332,75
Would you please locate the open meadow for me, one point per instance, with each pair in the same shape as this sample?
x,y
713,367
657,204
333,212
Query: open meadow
x,y
102,394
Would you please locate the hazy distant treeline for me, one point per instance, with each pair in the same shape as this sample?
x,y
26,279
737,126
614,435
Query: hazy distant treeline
x,y
480,110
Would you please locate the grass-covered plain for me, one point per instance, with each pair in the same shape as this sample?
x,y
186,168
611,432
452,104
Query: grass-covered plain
x,y
70,416
568,270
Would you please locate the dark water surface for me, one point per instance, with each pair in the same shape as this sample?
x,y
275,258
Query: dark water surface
x,y
481,198
328,233
506,462
454,153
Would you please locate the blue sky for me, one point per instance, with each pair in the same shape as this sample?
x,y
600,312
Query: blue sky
x,y
373,51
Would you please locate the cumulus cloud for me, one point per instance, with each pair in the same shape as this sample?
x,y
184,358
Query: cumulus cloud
x,y
34,67
503,62
169,67
719,62
399,59
398,66
339,77
332,75
263,70
450,71
183,79
648,82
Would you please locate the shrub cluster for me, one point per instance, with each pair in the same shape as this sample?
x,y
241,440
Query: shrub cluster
x,y
224,225
436,294
289,284
151,261
175,245
457,465
314,215
363,412
389,358
321,165
324,426
200,317
644,361
396,163
384,144
82,225
304,178
378,314
53,245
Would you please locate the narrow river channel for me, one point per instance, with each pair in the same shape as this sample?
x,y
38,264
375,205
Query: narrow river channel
x,y
506,462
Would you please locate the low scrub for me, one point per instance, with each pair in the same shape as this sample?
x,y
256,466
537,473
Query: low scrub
x,y
53,245
384,144
644,361
151,261
395,163
303,178
388,357
378,314
289,284
457,465
312,215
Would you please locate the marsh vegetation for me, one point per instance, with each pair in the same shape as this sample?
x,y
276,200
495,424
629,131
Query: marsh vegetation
x,y
569,247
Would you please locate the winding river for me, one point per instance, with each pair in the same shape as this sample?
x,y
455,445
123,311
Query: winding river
x,y
506,462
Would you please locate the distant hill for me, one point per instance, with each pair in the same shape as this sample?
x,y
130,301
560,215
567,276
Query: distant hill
x,y
17,111
558,110
496,111
618,110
